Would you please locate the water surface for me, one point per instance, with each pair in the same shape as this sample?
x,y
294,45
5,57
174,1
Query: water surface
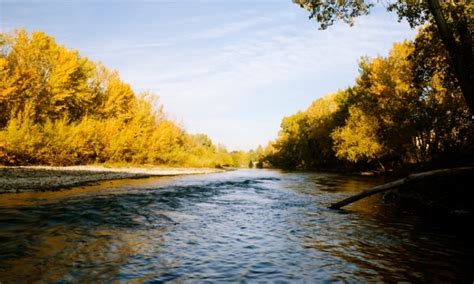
x,y
246,225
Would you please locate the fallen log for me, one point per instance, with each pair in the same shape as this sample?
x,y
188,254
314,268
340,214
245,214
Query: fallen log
x,y
399,182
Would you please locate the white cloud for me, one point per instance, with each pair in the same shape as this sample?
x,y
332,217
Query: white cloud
x,y
205,86
234,27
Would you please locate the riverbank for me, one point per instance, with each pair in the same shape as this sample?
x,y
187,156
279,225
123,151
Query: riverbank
x,y
43,178
441,191
449,195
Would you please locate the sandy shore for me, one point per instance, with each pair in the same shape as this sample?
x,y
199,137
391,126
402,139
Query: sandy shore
x,y
41,178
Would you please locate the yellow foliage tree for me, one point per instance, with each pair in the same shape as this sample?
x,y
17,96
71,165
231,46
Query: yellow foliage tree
x,y
59,108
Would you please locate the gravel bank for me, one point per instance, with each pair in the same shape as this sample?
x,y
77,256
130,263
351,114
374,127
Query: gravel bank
x,y
42,178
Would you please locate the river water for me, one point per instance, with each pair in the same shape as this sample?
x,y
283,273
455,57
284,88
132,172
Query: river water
x,y
240,226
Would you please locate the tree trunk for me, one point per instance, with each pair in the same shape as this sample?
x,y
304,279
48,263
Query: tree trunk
x,y
397,183
461,54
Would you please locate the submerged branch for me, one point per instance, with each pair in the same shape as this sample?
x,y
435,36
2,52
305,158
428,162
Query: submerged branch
x,y
398,183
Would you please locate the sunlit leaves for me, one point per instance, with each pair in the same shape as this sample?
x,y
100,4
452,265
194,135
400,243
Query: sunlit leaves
x,y
304,139
59,108
358,139
405,108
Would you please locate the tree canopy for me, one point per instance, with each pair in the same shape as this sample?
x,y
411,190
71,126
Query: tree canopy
x,y
452,21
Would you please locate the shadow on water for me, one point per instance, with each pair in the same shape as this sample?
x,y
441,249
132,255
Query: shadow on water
x,y
243,225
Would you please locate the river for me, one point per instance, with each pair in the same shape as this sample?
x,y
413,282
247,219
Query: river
x,y
239,226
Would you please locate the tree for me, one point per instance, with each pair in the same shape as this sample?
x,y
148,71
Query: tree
x,y
36,69
358,139
445,124
59,108
384,93
404,109
453,21
415,110
304,140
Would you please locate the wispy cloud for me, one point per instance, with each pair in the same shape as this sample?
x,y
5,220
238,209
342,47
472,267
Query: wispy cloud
x,y
285,69
217,32
228,29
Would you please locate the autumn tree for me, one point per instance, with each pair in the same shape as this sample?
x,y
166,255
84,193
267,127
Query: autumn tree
x,y
452,21
404,109
38,71
304,140
59,108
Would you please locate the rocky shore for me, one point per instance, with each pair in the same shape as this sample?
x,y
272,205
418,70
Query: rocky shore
x,y
43,178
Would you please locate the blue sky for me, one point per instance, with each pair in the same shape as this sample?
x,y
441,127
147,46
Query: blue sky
x,y
231,69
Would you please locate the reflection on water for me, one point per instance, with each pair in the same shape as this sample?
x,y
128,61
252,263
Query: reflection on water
x,y
101,188
243,225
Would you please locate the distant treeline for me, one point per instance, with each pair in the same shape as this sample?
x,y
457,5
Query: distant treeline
x,y
405,109
59,108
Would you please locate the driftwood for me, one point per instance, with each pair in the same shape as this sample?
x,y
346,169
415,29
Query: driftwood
x,y
399,182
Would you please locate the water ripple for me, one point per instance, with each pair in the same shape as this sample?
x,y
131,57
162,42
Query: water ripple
x,y
239,226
